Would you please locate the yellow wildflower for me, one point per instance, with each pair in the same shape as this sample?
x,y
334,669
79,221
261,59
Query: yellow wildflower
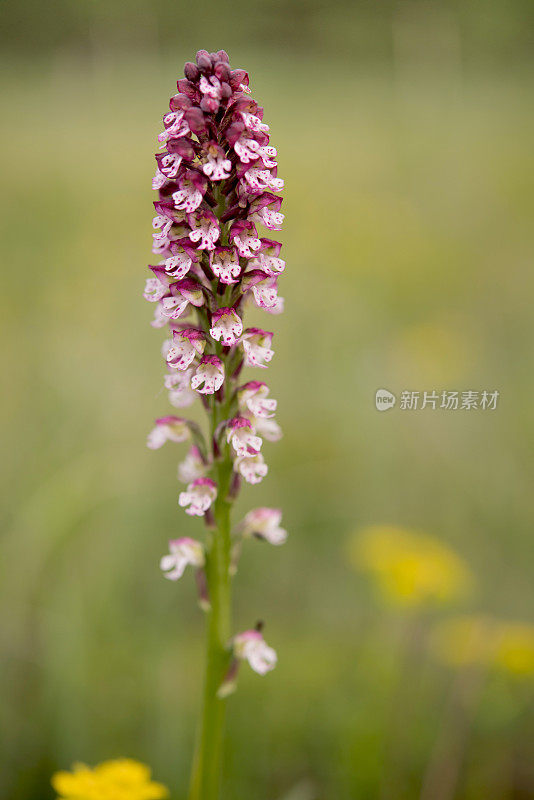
x,y
471,640
122,779
515,648
410,568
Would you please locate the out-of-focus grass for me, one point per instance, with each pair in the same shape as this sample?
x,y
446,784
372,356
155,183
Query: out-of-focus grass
x,y
408,240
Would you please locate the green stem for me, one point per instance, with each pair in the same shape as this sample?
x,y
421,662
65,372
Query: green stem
x,y
206,773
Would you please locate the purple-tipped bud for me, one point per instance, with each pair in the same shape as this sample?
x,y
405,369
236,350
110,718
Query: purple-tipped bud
x,y
222,71
191,71
203,60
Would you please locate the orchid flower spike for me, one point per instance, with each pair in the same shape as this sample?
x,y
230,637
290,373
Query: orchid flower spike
x,y
217,203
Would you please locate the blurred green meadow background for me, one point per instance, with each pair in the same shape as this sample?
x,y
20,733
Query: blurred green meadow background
x,y
405,135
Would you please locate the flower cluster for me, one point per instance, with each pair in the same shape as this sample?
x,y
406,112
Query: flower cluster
x,y
216,212
122,779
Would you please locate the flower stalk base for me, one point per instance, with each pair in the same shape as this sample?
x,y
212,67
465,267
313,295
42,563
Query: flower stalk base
x,y
206,772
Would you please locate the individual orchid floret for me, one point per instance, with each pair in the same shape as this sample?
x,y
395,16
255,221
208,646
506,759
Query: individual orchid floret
x,y
250,646
226,326
264,523
175,126
264,288
254,123
198,497
192,189
243,235
224,263
204,229
241,435
265,210
260,179
250,149
256,345
268,259
252,468
217,166
209,375
192,467
186,344
179,385
168,429
252,398
179,263
183,551
154,290
181,294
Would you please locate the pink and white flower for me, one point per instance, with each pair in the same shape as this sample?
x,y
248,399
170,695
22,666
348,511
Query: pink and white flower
x,y
192,467
186,344
226,326
191,192
250,646
260,180
252,468
217,166
268,259
183,551
243,234
154,290
209,375
265,524
181,294
179,264
254,123
198,497
241,435
175,126
169,165
224,263
204,229
252,398
256,344
168,429
265,210
250,150
179,385
264,287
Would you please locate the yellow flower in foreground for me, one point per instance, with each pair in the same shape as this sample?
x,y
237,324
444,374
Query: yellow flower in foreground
x,y
123,779
471,640
410,568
